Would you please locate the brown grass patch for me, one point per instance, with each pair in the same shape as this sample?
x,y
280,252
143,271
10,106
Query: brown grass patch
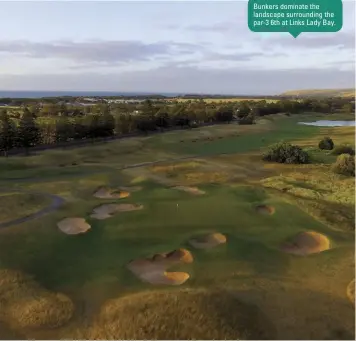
x,y
265,209
107,193
193,314
73,225
306,243
175,168
208,241
350,291
25,304
153,270
191,190
108,210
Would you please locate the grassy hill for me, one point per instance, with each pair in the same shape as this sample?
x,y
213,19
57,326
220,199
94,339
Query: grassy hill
x,y
321,93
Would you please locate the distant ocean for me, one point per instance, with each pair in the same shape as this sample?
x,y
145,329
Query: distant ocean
x,y
39,94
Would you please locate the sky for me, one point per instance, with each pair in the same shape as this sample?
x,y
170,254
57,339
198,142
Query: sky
x,y
164,46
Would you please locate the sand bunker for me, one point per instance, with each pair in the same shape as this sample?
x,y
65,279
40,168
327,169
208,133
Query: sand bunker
x,y
108,193
153,270
350,291
307,243
25,304
265,209
192,190
178,314
208,241
108,210
73,225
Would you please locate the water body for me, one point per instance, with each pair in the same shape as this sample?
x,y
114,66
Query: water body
x,y
40,94
326,123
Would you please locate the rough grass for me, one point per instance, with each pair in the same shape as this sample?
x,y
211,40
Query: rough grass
x,y
315,188
321,193
173,170
16,205
321,93
192,173
25,304
218,100
184,314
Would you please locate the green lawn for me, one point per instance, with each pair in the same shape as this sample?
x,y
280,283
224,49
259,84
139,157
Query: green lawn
x,y
17,205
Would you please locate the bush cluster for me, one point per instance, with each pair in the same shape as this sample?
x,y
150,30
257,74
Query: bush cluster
x,y
345,165
343,149
284,152
326,143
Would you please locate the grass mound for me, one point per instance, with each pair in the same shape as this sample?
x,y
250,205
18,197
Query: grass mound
x,y
350,291
73,225
265,209
107,193
16,205
153,270
108,210
25,304
345,165
307,243
343,149
208,241
196,314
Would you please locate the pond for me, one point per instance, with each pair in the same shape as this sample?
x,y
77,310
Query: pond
x,y
326,123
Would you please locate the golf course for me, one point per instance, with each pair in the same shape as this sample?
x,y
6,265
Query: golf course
x,y
186,234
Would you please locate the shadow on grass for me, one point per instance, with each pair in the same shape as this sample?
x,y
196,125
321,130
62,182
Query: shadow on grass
x,y
327,318
264,260
74,260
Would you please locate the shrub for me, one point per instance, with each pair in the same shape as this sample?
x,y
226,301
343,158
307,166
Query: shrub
x,y
284,152
345,165
326,143
343,149
249,119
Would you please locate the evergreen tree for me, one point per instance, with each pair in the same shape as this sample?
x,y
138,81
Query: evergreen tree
x,y
7,132
28,131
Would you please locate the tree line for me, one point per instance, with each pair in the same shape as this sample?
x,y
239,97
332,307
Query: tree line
x,y
57,122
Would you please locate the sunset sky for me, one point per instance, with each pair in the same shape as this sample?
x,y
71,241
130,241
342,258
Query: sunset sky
x,y
172,46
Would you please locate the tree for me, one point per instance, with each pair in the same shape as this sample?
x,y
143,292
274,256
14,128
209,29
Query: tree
x,y
162,118
92,122
224,115
106,124
7,132
243,110
63,129
49,110
28,131
348,108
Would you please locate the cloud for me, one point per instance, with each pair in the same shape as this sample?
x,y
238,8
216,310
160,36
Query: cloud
x,y
188,79
220,27
344,40
97,51
117,54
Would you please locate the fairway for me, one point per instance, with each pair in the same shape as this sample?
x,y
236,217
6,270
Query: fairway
x,y
172,191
